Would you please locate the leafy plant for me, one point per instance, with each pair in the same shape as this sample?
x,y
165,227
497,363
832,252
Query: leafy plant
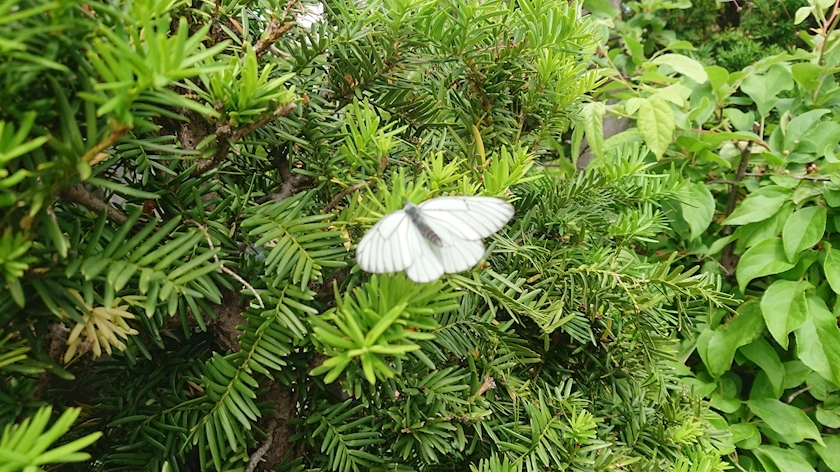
x,y
759,145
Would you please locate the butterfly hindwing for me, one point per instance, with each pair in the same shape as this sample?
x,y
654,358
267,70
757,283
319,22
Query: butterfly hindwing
x,y
456,254
426,265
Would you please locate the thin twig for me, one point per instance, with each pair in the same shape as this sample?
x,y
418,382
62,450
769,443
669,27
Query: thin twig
x,y
383,163
275,29
216,10
222,263
797,393
257,456
80,195
91,155
227,137
280,112
343,194
814,178
727,258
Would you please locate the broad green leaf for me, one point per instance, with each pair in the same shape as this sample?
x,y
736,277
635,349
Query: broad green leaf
x,y
765,258
745,435
807,75
632,105
719,138
674,93
699,210
818,341
824,136
684,65
759,206
741,120
801,126
702,105
828,416
831,267
634,48
830,453
593,126
784,308
762,354
656,124
751,234
601,8
802,13
803,230
718,349
807,190
784,460
719,79
764,88
795,373
788,421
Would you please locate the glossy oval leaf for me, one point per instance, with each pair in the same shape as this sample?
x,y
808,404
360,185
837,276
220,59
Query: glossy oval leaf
x,y
765,258
830,453
831,267
788,421
759,206
803,230
718,349
784,308
762,354
684,65
699,209
818,341
785,460
655,121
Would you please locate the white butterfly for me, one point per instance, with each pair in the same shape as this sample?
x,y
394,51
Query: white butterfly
x,y
441,235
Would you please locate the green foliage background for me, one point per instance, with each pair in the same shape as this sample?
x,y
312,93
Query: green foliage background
x,y
181,188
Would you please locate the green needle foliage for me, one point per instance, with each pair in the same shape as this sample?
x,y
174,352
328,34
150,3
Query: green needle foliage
x,y
182,186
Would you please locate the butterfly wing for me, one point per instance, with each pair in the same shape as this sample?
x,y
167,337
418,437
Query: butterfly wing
x,y
395,243
456,254
468,218
387,246
427,265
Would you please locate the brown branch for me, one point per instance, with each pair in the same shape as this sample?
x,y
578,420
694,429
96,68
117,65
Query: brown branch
x,y
257,456
93,155
813,178
727,259
343,194
216,9
282,111
275,29
383,162
291,186
78,194
226,137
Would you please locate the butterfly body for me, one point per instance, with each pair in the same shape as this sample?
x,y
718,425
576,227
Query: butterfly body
x,y
441,235
413,212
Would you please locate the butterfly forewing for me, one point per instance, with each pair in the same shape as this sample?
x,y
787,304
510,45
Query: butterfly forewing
x,y
470,218
385,247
